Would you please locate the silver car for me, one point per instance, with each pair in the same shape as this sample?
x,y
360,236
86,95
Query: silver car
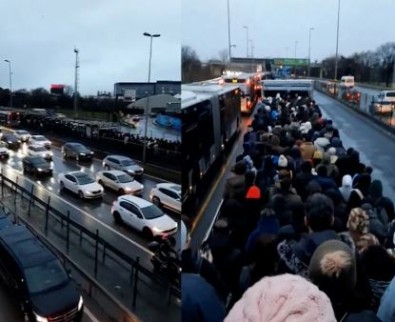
x,y
120,162
119,181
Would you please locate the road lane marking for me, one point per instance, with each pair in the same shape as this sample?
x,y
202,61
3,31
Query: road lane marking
x,y
90,315
91,216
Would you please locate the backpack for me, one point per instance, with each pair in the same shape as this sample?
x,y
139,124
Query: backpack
x,y
253,192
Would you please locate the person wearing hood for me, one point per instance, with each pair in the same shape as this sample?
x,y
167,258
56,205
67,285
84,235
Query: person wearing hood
x,y
267,224
200,301
383,205
346,187
295,258
360,191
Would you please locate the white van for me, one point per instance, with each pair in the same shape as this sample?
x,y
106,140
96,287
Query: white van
x,y
383,103
347,82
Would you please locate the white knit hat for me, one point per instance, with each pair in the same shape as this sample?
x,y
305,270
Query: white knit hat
x,y
282,298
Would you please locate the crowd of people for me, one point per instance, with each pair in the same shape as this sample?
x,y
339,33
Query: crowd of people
x,y
305,232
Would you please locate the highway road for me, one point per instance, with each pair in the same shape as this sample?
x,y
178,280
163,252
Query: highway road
x,y
376,147
99,208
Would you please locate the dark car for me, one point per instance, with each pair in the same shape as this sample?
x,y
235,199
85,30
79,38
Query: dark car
x,y
76,151
36,279
36,165
11,141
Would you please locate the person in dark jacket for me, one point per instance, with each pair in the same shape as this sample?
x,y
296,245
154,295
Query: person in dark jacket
x,y
358,195
334,269
303,178
295,258
200,302
323,179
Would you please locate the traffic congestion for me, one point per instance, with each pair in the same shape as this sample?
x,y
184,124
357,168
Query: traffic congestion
x,y
77,176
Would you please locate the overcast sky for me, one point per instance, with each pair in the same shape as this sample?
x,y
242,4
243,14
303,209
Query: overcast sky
x,y
274,25
39,36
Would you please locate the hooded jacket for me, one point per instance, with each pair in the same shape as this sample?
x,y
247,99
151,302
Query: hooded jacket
x,y
346,187
266,225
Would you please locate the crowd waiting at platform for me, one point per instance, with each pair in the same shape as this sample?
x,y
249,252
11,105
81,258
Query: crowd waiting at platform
x,y
305,232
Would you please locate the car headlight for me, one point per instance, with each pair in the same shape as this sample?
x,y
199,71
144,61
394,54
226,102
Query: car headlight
x,y
9,142
40,318
80,303
82,153
157,230
39,169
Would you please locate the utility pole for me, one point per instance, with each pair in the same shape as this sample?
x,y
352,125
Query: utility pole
x,y
77,66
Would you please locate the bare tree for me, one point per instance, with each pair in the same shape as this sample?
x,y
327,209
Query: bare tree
x,y
190,64
223,55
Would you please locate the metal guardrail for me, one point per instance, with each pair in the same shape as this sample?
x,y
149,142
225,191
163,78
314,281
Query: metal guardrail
x,y
9,178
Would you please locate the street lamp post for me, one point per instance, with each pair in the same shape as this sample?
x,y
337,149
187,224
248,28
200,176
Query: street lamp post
x,y
76,51
337,38
229,41
310,30
246,28
10,75
147,103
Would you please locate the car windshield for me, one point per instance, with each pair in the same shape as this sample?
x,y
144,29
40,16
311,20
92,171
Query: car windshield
x,y
84,179
22,132
152,212
10,137
79,147
124,178
40,149
38,161
127,163
45,276
40,138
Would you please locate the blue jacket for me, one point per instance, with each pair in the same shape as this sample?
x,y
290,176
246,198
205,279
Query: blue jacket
x,y
386,311
266,225
200,302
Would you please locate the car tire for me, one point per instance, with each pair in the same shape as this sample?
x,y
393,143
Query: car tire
x,y
156,201
106,166
117,218
148,233
81,195
121,191
77,157
61,185
100,182
64,155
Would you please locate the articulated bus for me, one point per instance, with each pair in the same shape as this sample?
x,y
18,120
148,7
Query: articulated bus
x,y
249,84
210,124
9,118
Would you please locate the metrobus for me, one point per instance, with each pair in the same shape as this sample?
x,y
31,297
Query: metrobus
x,y
249,84
210,124
9,118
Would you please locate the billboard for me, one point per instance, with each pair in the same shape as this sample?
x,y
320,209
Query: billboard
x,y
291,62
57,89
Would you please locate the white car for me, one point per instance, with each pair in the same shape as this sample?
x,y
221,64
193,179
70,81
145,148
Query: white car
x,y
143,216
80,183
40,140
167,195
119,181
4,153
22,135
36,149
